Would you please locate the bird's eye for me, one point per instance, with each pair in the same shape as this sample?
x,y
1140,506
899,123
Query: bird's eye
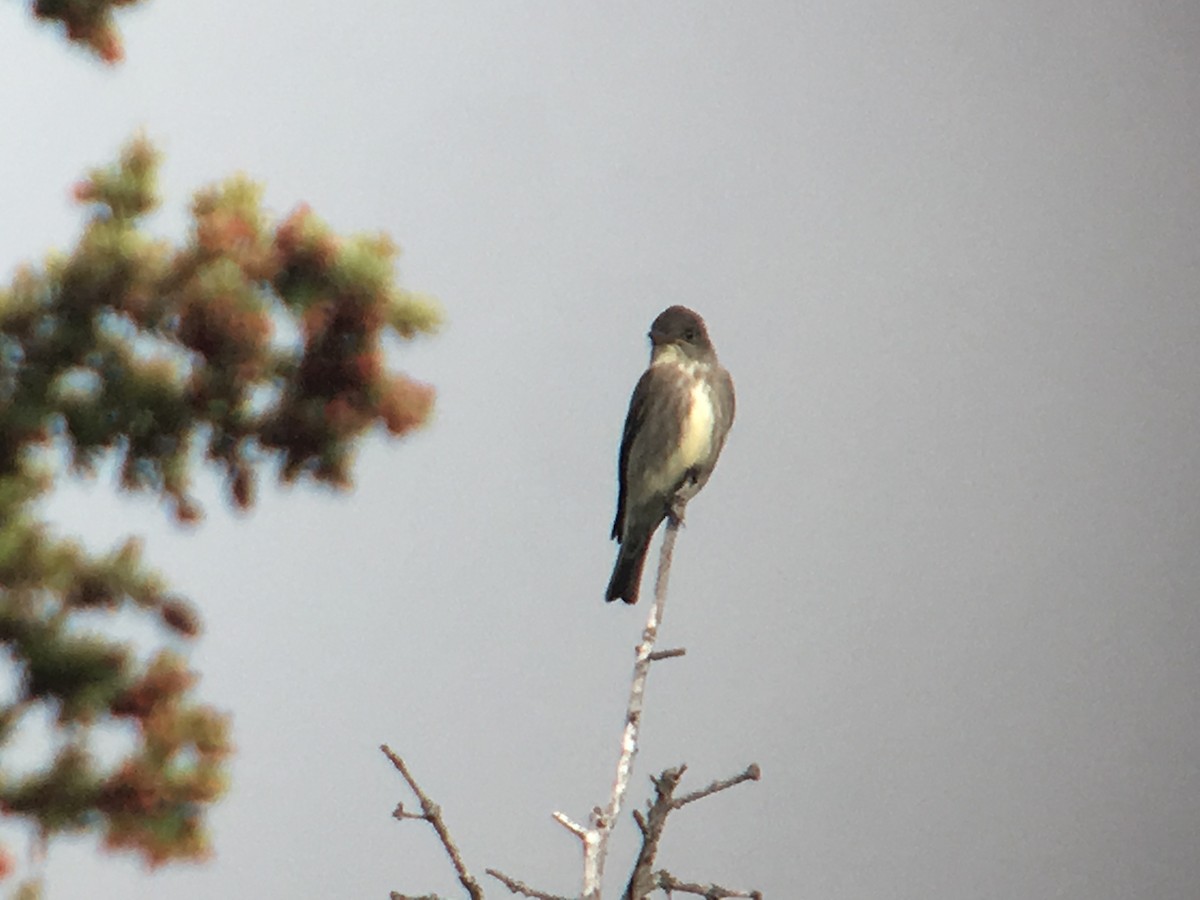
x,y
690,334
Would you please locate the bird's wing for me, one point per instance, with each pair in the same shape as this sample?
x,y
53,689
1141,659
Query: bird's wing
x,y
648,440
725,403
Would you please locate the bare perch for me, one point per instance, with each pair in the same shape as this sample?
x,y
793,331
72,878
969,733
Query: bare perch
x,y
667,654
644,879
432,813
595,838
751,773
670,883
520,887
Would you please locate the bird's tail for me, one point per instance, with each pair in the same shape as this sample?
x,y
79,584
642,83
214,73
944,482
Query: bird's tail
x,y
627,573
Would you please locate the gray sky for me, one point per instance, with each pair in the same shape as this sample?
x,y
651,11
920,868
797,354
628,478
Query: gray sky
x,y
943,586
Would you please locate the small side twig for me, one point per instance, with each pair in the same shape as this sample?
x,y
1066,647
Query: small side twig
x,y
432,813
668,654
669,882
571,825
751,773
644,879
520,887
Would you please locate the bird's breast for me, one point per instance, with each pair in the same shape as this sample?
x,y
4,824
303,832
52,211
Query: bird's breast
x,y
695,440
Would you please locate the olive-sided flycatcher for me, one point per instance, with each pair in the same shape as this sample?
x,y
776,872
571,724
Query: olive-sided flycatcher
x,y
678,418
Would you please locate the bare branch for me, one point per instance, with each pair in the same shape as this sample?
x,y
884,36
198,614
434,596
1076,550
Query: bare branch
x,y
641,822
595,838
520,887
637,693
752,773
667,654
644,879
432,813
401,813
669,882
571,825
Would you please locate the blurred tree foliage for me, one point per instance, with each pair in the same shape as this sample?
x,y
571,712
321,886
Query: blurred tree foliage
x,y
254,344
88,23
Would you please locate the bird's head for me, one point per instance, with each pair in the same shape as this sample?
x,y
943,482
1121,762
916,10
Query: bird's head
x,y
679,330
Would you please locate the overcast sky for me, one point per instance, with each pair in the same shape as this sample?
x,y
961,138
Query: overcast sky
x,y
944,585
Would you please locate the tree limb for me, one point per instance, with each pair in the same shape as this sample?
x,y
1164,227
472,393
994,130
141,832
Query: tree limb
x,y
644,879
751,773
432,813
595,838
669,883
520,887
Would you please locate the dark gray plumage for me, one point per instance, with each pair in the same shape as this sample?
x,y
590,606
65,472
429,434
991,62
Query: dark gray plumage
x,y
678,419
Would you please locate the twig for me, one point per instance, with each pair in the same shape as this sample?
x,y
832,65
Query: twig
x,y
571,825
667,654
595,839
520,887
644,879
752,773
669,882
432,813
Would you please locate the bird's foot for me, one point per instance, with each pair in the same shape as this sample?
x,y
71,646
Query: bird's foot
x,y
675,512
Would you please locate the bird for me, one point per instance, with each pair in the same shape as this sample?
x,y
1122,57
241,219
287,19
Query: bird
x,y
679,416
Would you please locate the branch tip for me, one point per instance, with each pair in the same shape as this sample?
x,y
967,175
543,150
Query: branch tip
x,y
667,654
432,813
751,773
571,825
669,883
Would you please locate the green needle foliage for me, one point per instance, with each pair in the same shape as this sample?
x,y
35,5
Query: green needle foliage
x,y
254,345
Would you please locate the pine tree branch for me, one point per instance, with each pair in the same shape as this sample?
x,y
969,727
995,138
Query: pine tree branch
x,y
432,813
